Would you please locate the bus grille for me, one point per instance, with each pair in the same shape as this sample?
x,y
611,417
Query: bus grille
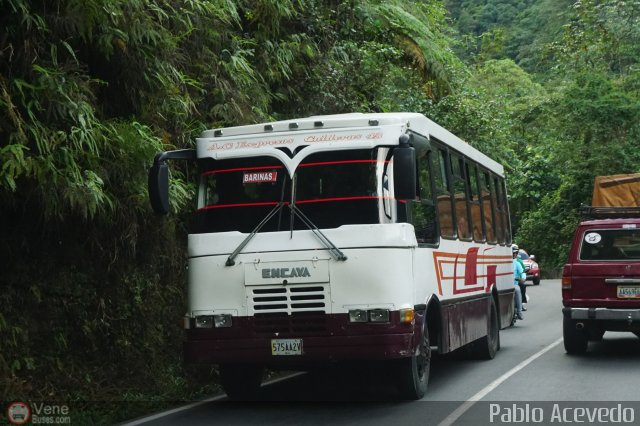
x,y
289,309
298,323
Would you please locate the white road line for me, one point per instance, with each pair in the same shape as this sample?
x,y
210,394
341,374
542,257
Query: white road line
x,y
451,418
199,403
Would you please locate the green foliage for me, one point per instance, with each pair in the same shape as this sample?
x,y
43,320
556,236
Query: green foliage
x,y
547,230
515,29
376,56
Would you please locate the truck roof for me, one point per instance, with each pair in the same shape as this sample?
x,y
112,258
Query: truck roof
x,y
611,222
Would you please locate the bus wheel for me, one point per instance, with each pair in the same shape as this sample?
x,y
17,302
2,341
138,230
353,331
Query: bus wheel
x,y
241,382
487,346
575,341
413,372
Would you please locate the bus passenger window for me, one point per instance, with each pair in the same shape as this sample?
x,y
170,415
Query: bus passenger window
x,y
460,197
474,202
423,210
504,207
497,204
443,194
487,207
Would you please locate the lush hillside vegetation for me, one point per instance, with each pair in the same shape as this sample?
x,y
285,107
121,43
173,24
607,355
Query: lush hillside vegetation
x,y
92,285
579,119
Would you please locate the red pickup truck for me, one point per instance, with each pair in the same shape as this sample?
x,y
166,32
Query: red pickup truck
x,y
601,279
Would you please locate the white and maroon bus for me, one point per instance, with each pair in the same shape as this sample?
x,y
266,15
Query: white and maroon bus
x,y
335,238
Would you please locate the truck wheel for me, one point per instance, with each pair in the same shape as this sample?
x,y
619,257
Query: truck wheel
x,y
487,346
413,372
575,341
241,382
536,280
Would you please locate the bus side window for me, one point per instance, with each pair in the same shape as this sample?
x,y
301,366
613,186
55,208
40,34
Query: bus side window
x,y
487,207
499,213
460,197
477,220
423,209
443,193
505,211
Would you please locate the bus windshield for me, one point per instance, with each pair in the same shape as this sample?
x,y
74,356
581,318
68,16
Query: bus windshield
x,y
331,189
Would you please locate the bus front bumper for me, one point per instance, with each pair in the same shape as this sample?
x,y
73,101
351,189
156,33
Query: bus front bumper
x,y
315,349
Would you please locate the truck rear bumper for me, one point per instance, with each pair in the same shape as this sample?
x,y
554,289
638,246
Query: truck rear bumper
x,y
603,314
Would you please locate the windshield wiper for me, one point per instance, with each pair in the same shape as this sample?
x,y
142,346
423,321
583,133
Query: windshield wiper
x,y
276,209
335,251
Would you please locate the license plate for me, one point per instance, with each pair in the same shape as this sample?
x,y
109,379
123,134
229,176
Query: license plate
x,y
628,292
286,347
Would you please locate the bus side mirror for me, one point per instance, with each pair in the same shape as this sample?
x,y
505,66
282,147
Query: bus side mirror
x,y
159,188
404,170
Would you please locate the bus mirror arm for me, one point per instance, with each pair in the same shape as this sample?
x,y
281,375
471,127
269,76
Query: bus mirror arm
x,y
179,154
158,183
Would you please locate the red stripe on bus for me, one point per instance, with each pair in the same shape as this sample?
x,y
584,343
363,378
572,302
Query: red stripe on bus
x,y
221,206
273,203
322,200
330,163
324,163
241,169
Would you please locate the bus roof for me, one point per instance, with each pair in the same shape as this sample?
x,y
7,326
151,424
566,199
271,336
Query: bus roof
x,y
329,132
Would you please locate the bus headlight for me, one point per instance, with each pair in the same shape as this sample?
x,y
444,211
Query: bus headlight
x,y
379,315
204,321
358,315
222,320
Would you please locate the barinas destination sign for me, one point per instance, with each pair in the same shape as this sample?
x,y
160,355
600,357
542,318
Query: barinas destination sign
x,y
259,177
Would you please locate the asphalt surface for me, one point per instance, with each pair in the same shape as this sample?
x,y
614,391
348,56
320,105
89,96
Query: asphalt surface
x,y
532,380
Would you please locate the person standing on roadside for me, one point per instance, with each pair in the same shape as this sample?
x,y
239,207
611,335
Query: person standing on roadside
x,y
518,270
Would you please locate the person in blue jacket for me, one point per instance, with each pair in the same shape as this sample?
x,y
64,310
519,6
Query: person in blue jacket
x,y
518,271
523,286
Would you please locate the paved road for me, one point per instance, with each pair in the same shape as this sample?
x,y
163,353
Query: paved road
x,y
531,376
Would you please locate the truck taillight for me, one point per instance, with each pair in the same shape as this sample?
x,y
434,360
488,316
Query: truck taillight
x,y
566,283
566,277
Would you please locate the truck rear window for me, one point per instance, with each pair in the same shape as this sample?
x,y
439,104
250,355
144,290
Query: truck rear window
x,y
610,244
